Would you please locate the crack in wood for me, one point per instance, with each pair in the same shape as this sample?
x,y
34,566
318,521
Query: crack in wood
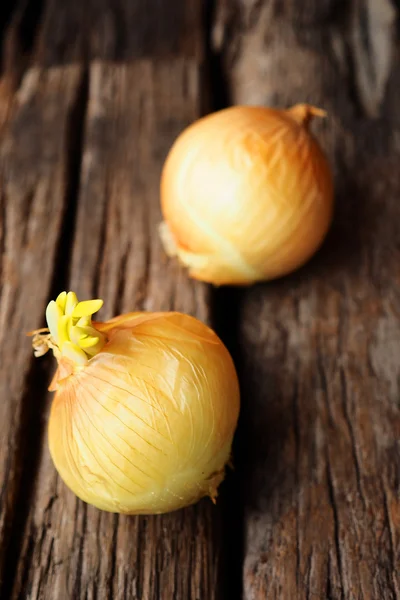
x,y
17,44
225,318
6,11
353,442
296,429
113,557
81,518
101,246
336,523
3,227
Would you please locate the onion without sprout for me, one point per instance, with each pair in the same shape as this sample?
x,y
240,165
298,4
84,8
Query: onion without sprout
x,y
145,409
246,194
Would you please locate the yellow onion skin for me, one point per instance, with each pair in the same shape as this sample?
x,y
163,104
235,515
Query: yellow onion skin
x,y
146,426
246,194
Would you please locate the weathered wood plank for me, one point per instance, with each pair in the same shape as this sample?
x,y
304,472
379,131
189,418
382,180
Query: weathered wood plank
x,y
69,550
120,30
320,349
33,165
72,550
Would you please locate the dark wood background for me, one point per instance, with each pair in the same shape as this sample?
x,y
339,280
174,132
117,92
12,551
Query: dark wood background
x,y
92,95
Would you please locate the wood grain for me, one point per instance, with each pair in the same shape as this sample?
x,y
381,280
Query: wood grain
x,y
119,30
319,350
60,547
33,155
102,89
72,550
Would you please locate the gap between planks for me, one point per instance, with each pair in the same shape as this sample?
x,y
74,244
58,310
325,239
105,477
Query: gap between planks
x,y
321,412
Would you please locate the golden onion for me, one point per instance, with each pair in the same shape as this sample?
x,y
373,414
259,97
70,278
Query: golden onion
x,y
246,194
145,408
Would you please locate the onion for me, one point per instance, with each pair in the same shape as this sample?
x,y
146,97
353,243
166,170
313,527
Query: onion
x,y
246,194
145,409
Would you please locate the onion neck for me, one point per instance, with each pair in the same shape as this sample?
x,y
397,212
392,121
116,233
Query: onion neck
x,y
70,332
304,113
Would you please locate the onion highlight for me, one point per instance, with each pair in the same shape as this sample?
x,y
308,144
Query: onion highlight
x,y
246,194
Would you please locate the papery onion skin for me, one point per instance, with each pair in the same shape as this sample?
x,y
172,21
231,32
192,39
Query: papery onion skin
x,y
146,426
246,194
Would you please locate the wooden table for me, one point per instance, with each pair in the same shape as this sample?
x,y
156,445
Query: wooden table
x,y
92,94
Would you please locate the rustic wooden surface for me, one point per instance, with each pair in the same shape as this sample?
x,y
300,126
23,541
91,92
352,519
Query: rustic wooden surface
x,y
92,94
81,157
319,351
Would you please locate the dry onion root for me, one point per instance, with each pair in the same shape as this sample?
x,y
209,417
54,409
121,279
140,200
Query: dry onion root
x,y
246,194
145,409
